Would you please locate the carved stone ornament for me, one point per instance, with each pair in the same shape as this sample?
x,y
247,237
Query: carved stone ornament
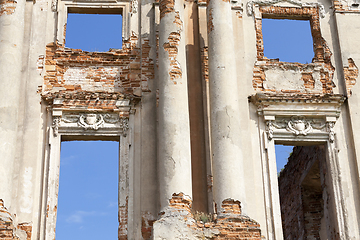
x,y
270,129
299,125
250,5
54,5
124,122
330,129
134,6
91,121
55,125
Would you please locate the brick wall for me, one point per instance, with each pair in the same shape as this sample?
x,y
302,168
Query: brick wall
x,y
83,78
7,225
300,189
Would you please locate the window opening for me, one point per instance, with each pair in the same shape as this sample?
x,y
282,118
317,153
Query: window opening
x,y
88,190
288,40
302,191
282,152
94,32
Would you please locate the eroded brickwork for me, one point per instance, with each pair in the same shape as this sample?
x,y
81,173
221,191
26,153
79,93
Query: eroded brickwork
x,y
301,193
229,224
305,75
7,7
123,221
346,6
27,228
7,229
166,6
173,40
7,226
97,79
172,48
205,63
147,221
350,73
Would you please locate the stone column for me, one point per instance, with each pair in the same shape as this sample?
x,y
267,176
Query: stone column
x,y
173,111
11,41
224,109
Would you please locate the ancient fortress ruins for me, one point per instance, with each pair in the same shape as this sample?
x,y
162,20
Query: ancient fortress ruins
x,y
197,110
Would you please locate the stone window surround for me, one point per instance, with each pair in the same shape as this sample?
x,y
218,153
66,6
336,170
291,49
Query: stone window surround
x,y
125,8
318,129
303,11
314,77
62,125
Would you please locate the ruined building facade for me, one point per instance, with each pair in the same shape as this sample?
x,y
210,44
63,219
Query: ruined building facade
x,y
197,109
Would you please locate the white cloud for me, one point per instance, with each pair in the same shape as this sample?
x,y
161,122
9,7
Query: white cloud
x,y
67,160
112,204
78,216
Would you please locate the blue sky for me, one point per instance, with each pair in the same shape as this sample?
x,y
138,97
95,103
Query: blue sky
x,y
94,32
88,192
288,40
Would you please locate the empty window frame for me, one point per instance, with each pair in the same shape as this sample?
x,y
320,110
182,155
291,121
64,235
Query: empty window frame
x,y
287,40
94,30
308,16
88,190
305,207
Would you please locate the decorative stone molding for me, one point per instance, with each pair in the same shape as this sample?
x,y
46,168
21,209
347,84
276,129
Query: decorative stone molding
x,y
69,121
330,129
296,117
55,125
134,6
91,121
54,4
300,126
256,3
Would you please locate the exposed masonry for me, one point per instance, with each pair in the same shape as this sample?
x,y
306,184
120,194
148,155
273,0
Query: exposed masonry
x,y
123,221
205,63
147,221
96,81
8,229
94,94
175,72
345,6
229,225
172,48
210,183
118,71
27,228
7,7
350,73
301,187
166,6
315,77
210,25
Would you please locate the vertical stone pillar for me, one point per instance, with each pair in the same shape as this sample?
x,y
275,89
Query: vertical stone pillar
x,y
173,111
224,109
11,41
